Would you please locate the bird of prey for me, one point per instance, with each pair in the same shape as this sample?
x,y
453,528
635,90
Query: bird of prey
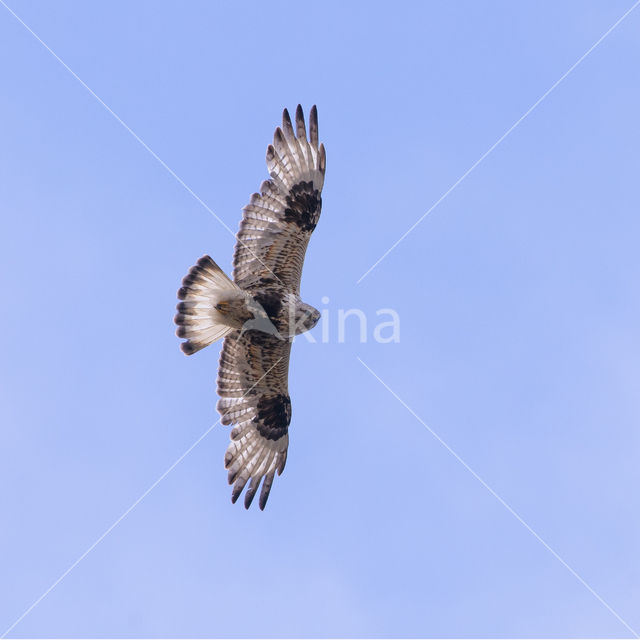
x,y
260,311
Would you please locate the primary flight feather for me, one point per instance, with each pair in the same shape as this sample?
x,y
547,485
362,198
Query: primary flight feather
x,y
260,311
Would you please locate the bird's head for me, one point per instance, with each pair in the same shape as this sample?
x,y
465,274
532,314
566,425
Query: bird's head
x,y
306,317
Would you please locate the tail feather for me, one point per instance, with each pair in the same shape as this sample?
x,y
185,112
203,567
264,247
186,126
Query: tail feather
x,y
198,319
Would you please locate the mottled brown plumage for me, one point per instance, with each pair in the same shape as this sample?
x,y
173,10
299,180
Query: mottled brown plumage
x,y
261,310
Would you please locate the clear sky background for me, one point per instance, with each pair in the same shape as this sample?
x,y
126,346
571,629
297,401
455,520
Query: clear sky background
x,y
518,297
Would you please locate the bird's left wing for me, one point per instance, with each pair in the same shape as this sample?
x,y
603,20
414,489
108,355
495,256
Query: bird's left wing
x,y
254,397
278,222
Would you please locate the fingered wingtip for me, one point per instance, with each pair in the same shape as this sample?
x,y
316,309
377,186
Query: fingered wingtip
x,y
301,130
279,138
248,496
286,124
313,126
271,153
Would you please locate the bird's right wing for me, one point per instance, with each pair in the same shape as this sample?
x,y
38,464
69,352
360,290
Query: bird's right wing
x,y
278,222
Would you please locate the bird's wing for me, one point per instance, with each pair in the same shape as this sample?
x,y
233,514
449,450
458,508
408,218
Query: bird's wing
x,y
254,397
278,222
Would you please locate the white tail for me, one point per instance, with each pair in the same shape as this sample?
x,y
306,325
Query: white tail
x,y
198,320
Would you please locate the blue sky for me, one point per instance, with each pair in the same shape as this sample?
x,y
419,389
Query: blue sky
x,y
518,297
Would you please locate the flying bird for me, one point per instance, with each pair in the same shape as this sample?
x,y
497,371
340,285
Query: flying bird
x,y
260,311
